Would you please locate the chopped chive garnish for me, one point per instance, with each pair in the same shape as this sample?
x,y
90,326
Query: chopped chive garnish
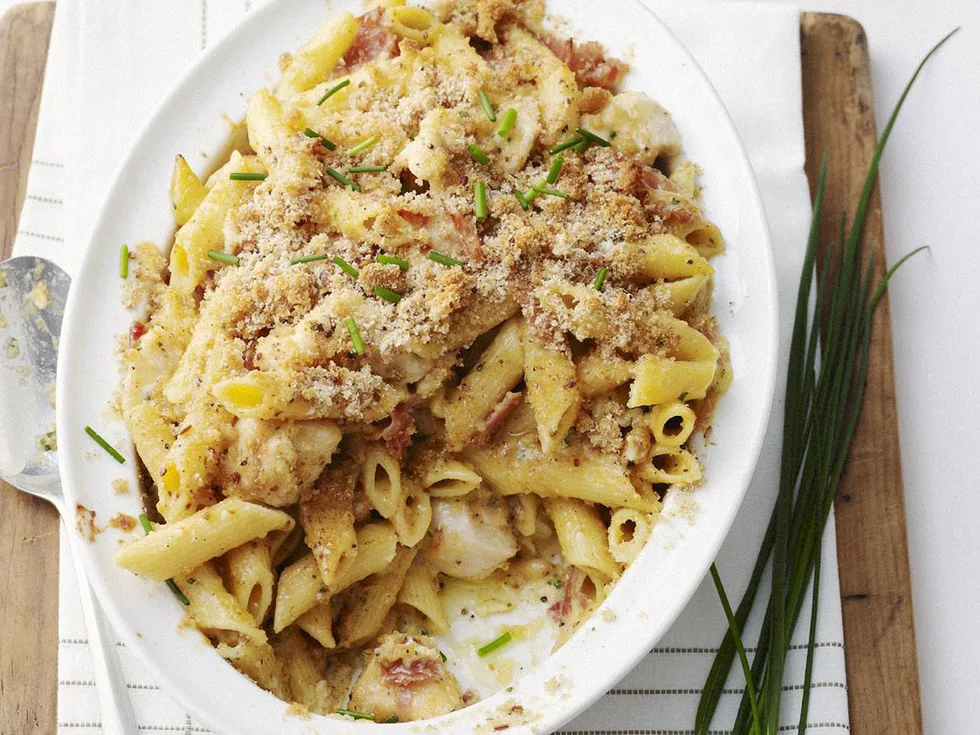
x,y
390,296
477,154
181,597
392,719
341,179
355,715
507,122
570,143
124,261
392,260
346,267
329,145
363,145
442,656
333,90
600,278
308,258
226,258
580,146
501,640
247,176
480,200
444,259
613,134
105,445
592,137
555,171
531,194
366,169
355,335
488,108
542,189
522,200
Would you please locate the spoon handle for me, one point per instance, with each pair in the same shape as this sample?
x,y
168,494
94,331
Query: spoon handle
x,y
118,717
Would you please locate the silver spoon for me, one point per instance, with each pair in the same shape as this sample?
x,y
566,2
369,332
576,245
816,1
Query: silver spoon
x,y
32,303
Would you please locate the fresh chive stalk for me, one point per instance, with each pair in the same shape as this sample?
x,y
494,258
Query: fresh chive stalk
x,y
226,258
392,260
501,640
388,295
592,137
555,171
366,169
570,143
542,189
507,122
480,200
341,179
737,639
487,106
329,145
363,145
477,154
600,278
333,90
105,445
181,597
443,259
247,176
522,200
823,405
308,258
346,267
124,262
353,714
355,335
392,719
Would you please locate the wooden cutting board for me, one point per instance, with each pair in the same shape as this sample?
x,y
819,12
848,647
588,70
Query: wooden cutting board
x,y
883,685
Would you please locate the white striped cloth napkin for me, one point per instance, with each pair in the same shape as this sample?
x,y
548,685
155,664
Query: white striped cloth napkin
x,y
108,66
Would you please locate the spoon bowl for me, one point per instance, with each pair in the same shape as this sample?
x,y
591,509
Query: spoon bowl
x,y
33,292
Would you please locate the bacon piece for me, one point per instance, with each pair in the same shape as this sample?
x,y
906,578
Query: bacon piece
x,y
588,62
468,239
492,421
398,434
573,598
136,331
400,674
673,211
559,610
415,219
655,179
372,41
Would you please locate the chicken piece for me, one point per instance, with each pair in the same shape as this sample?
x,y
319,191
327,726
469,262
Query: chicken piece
x,y
471,536
405,677
642,128
275,462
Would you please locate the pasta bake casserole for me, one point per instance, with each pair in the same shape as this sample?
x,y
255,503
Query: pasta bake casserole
x,y
442,318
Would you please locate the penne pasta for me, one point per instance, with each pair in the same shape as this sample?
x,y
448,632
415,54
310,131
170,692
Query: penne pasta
x,y
177,548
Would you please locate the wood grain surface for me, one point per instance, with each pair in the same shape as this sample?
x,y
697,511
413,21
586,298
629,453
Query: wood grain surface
x,y
872,550
28,527
871,538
